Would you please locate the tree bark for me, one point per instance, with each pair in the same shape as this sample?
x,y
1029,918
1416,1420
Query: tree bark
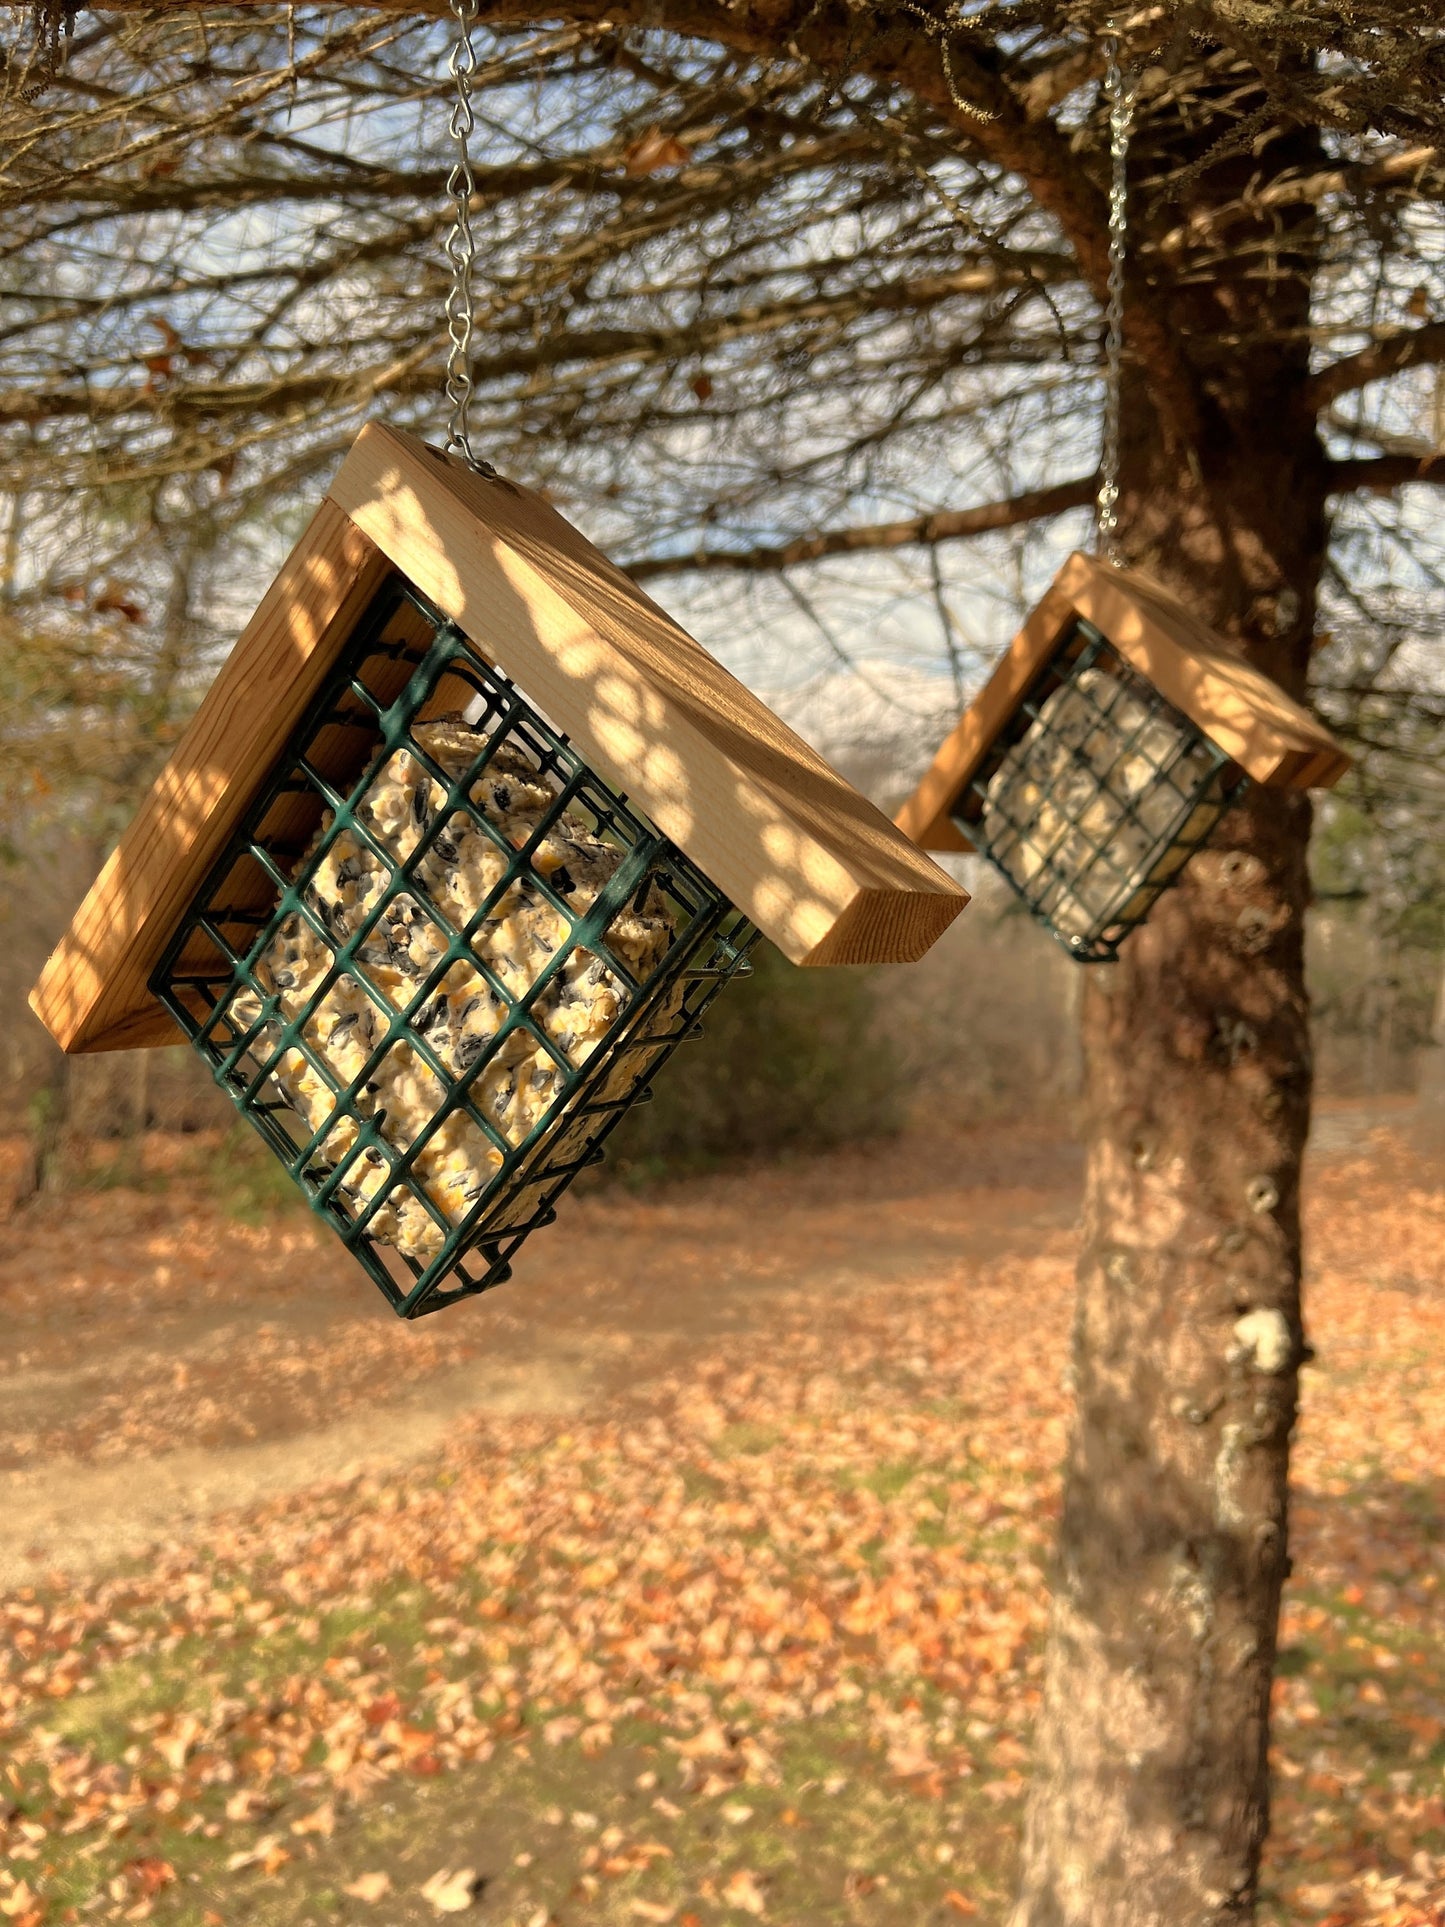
x,y
1150,1803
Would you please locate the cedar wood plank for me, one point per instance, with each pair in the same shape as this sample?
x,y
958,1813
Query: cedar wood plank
x,y
817,867
92,994
1270,736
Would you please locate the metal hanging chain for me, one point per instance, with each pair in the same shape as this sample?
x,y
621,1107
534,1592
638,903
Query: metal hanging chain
x,y
1119,91
461,246
52,27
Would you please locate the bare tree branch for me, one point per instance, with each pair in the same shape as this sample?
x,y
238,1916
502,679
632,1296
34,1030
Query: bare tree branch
x,y
1382,474
1405,348
944,526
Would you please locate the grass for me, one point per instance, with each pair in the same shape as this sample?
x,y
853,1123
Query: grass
x,y
250,1182
816,1825
557,1834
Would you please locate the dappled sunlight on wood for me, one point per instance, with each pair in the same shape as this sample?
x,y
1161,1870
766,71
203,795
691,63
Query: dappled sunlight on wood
x,y
816,865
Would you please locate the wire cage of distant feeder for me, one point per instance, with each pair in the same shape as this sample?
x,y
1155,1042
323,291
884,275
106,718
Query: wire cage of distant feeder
x,y
1095,796
433,1206
1103,752
456,851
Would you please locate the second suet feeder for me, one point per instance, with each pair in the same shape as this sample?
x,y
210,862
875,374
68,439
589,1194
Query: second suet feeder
x,y
1103,751
457,848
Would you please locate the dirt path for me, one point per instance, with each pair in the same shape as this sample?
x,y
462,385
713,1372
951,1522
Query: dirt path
x,y
167,1361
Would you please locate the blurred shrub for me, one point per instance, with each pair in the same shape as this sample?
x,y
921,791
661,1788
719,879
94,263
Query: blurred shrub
x,y
986,1026
787,1057
249,1181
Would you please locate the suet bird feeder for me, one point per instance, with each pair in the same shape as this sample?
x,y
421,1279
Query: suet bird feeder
x,y
456,850
1104,750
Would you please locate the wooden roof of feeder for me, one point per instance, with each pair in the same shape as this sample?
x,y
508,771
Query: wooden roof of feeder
x,y
1269,735
815,866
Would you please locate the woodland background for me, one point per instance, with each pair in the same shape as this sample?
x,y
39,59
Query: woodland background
x,y
222,246
700,1576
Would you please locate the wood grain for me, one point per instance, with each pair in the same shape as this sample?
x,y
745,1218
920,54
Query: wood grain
x,y
821,872
816,867
1272,738
92,994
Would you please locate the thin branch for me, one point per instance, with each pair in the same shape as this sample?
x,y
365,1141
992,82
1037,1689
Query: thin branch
x,y
1405,171
944,526
1410,348
1382,474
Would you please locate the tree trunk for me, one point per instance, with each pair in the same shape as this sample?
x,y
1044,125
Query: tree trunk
x,y
1151,1801
1150,1804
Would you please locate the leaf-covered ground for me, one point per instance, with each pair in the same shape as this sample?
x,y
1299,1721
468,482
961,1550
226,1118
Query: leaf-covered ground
x,y
748,1627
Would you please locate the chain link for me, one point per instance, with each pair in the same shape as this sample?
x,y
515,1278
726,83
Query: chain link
x,y
461,245
1119,91
52,28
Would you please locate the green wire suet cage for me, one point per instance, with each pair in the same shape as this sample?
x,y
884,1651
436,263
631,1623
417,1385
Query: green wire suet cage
x,y
229,974
1092,802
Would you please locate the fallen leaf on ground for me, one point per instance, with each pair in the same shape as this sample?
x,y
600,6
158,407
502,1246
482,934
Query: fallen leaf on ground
x,y
369,1886
322,1821
247,1804
267,1853
150,1874
741,1889
450,1892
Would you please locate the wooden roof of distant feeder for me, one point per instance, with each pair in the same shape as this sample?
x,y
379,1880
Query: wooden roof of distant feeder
x,y
815,866
1271,737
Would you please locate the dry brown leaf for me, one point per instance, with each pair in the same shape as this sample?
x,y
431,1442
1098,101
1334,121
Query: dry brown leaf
x,y
322,1821
268,1853
654,152
369,1886
452,1892
741,1889
167,333
247,1804
116,601
149,1875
